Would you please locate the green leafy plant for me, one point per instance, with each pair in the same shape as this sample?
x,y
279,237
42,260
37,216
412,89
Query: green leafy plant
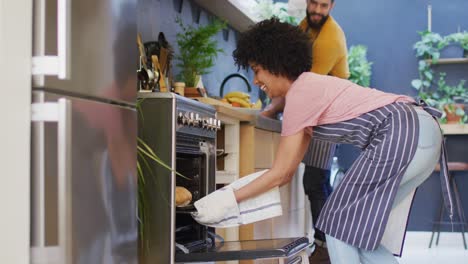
x,y
428,50
451,94
267,8
197,50
430,45
360,68
426,78
438,93
459,38
449,98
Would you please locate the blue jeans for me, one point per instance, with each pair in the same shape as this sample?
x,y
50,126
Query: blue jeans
x,y
420,168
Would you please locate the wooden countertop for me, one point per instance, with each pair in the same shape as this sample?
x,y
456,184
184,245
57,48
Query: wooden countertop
x,y
241,114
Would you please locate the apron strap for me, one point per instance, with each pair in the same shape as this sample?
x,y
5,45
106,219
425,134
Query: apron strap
x,y
444,173
436,113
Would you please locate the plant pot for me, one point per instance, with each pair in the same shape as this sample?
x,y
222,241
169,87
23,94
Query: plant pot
x,y
465,53
450,111
452,51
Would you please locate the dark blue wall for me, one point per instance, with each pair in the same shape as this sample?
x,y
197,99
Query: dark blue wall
x,y
389,30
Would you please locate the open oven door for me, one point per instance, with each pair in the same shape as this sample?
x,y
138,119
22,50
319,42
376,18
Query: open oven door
x,y
281,248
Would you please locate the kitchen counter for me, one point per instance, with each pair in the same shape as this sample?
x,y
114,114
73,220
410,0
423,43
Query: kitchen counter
x,y
251,116
244,115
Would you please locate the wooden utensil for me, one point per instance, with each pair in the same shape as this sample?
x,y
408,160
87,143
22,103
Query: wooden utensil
x,y
157,66
141,48
163,59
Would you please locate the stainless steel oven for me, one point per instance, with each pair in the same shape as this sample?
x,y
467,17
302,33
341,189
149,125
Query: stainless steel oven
x,y
182,133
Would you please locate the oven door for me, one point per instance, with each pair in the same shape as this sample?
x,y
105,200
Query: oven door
x,y
281,248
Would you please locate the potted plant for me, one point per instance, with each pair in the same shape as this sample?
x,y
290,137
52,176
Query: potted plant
x,y
451,100
430,45
460,38
197,50
359,68
428,48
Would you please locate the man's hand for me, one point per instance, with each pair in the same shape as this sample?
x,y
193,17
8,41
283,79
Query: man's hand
x,y
276,106
216,207
268,113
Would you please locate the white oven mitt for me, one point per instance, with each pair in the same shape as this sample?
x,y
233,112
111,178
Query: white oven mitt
x,y
220,210
217,207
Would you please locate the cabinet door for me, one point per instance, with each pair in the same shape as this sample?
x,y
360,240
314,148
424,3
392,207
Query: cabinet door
x,y
276,140
263,149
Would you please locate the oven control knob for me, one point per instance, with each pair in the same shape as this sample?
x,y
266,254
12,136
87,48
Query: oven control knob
x,y
216,124
185,119
204,123
180,118
211,123
197,121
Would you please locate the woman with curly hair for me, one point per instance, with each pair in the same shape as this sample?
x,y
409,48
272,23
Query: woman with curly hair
x,y
365,218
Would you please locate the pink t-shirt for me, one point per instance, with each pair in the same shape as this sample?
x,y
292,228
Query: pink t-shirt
x,y
315,99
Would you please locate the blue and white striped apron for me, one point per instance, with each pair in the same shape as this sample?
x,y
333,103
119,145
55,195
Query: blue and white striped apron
x,y
319,154
357,212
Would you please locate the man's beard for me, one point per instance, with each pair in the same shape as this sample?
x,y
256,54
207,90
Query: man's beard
x,y
314,24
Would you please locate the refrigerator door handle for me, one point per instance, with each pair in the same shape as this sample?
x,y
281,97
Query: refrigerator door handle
x,y
53,65
59,112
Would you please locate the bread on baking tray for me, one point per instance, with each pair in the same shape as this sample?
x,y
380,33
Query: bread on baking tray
x,y
183,196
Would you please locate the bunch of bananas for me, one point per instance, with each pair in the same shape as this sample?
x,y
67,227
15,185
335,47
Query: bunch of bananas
x,y
242,99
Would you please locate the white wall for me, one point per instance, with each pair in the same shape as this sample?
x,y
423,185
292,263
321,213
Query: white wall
x,y
15,90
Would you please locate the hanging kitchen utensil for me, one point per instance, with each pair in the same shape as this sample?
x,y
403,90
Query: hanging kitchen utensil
x,y
141,48
157,69
163,59
144,75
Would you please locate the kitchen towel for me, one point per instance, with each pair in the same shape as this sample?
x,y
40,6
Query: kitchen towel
x,y
261,207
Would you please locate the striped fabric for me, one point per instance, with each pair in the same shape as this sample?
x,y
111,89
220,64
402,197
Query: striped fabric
x,y
319,154
357,212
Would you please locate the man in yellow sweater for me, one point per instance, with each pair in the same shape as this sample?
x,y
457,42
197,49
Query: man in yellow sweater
x,y
329,57
329,49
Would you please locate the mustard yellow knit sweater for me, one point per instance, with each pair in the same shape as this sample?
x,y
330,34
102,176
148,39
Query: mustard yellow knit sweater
x,y
329,51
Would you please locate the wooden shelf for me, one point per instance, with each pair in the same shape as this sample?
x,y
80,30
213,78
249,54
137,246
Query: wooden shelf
x,y
449,61
454,129
230,10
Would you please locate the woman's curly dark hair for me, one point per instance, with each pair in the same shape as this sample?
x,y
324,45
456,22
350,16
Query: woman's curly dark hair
x,y
278,47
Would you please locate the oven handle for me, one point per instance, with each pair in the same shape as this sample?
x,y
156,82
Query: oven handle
x,y
208,150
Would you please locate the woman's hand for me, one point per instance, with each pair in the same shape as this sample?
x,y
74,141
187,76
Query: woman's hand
x,y
290,152
276,106
216,207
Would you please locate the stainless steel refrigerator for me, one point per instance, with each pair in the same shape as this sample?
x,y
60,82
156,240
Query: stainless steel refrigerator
x,y
83,178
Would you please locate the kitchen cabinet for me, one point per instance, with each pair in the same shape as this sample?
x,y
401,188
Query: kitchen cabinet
x,y
257,152
234,11
248,143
